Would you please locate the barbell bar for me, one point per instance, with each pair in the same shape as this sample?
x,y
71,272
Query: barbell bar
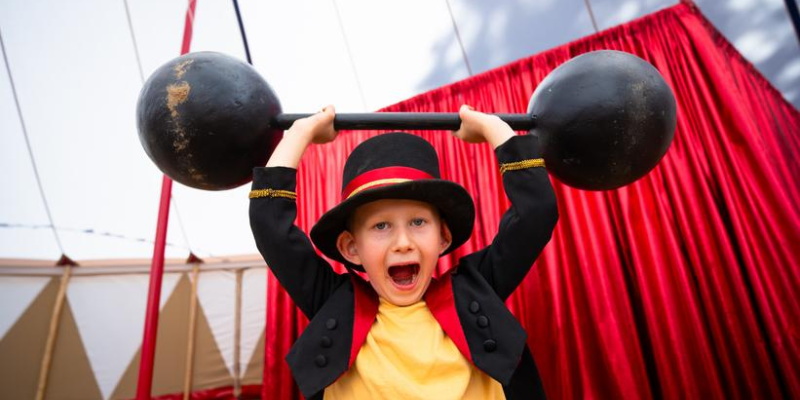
x,y
405,120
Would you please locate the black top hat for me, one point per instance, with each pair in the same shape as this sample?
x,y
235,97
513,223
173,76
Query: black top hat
x,y
395,166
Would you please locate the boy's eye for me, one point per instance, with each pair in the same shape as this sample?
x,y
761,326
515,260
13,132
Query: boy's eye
x,y
417,221
381,226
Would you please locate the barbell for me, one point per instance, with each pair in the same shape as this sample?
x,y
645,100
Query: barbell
x,y
604,119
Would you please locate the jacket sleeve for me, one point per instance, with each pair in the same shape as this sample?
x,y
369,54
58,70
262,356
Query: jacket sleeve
x,y
306,276
527,225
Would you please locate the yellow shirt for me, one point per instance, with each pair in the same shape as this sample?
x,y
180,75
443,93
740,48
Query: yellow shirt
x,y
408,356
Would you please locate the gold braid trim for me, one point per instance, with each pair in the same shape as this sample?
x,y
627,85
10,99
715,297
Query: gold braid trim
x,y
255,194
524,164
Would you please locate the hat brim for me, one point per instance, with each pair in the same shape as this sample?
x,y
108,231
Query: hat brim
x,y
454,203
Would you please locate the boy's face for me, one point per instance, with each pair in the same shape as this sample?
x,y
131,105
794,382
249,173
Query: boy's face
x,y
398,242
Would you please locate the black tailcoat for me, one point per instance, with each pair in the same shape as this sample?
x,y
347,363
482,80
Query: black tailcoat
x,y
467,301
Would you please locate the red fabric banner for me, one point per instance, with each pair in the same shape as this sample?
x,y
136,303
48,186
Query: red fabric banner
x,y
221,393
684,284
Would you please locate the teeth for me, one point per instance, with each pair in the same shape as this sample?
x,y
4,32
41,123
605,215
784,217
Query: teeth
x,y
404,275
407,281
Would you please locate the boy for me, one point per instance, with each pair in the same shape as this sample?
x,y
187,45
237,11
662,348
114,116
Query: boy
x,y
402,334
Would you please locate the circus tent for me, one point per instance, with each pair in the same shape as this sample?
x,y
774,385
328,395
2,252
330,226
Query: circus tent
x,y
217,300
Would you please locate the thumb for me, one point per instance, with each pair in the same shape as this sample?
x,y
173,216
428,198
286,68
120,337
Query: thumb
x,y
326,113
465,110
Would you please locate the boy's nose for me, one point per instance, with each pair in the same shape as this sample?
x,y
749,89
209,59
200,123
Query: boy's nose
x,y
402,242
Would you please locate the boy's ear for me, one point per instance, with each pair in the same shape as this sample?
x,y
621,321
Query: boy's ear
x,y
346,244
446,238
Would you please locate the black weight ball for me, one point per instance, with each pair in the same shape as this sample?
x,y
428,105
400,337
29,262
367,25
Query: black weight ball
x,y
604,119
204,119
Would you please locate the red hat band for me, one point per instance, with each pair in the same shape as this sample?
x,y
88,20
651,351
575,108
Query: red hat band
x,y
382,177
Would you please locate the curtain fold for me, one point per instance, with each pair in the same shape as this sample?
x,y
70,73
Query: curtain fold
x,y
683,284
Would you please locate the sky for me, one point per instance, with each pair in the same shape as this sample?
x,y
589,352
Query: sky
x,y
75,72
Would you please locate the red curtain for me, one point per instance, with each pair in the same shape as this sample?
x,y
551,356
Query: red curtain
x,y
684,284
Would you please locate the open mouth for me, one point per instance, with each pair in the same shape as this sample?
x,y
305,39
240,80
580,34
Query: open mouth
x,y
404,276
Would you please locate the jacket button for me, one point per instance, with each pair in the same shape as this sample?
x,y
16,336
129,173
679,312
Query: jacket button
x,y
331,324
483,322
490,345
326,342
474,307
320,360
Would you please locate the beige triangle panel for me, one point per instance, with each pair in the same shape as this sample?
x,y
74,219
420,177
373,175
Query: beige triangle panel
x,y
71,375
170,363
210,370
22,348
16,295
173,327
126,388
254,373
209,367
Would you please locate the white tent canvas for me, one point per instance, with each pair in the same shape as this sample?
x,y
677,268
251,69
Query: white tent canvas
x,y
75,70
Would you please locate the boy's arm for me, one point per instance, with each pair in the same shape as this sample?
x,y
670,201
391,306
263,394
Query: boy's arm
x,y
528,224
307,277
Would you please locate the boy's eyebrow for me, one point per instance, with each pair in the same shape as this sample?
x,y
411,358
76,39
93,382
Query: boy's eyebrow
x,y
410,216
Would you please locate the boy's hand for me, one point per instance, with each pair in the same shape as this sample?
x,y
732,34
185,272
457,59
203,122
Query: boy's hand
x,y
317,128
477,127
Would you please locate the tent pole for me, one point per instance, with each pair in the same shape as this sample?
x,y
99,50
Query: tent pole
x,y
145,379
237,337
187,379
52,333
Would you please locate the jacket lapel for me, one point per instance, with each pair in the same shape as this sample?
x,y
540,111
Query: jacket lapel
x,y
441,302
366,309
